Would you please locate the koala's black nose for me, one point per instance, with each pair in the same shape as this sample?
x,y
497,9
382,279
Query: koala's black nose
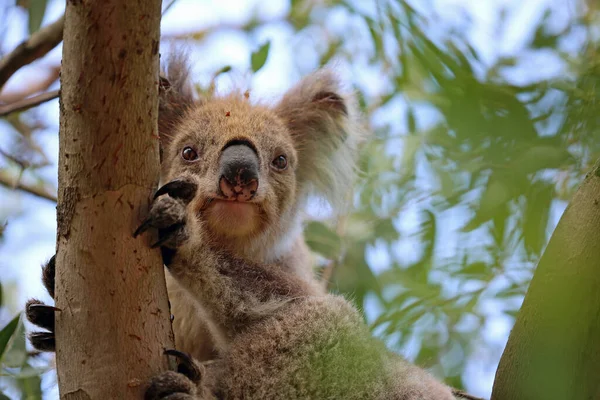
x,y
239,172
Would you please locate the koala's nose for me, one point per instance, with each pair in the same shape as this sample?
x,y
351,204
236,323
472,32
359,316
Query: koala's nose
x,y
239,172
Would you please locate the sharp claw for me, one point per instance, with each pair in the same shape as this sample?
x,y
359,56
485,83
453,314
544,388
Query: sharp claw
x,y
187,366
40,314
179,189
159,243
142,228
43,306
166,234
43,341
179,354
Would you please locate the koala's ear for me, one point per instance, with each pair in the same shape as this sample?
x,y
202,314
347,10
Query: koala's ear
x,y
175,96
326,132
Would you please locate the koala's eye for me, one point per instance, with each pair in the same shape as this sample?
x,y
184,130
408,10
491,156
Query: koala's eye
x,y
280,162
189,154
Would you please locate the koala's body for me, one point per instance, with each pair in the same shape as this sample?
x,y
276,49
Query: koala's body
x,y
279,335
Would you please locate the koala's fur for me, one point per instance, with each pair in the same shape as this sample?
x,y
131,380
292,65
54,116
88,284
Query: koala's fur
x,y
317,134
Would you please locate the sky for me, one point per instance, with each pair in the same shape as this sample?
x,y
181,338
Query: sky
x,y
30,235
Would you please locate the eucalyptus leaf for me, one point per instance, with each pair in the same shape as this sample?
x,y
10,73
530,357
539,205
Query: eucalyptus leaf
x,y
321,239
36,9
259,57
7,333
15,355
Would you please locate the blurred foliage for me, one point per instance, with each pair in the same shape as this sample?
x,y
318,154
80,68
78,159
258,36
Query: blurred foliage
x,y
16,370
460,184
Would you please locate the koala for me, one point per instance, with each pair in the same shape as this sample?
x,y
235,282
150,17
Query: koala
x,y
257,166
251,321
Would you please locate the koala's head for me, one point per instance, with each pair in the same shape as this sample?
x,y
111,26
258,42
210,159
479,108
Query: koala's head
x,y
255,164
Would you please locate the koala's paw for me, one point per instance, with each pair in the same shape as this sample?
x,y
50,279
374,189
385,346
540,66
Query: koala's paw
x,y
42,315
180,385
168,213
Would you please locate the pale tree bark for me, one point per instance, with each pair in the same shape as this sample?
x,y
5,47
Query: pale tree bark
x,y
553,351
114,323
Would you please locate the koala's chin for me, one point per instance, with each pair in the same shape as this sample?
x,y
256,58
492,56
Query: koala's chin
x,y
233,218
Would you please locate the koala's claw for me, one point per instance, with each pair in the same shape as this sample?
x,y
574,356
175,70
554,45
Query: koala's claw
x,y
182,188
43,341
41,315
180,385
174,233
168,213
187,366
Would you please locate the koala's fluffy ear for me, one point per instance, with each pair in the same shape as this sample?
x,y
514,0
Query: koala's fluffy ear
x,y
324,126
175,96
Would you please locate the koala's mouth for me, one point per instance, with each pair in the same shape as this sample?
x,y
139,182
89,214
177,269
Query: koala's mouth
x,y
235,207
232,217
232,202
210,201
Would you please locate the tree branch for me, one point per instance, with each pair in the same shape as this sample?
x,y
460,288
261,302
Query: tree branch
x,y
25,104
7,180
33,87
37,46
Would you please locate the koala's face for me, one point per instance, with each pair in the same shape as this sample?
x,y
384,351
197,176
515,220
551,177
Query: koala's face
x,y
245,160
254,163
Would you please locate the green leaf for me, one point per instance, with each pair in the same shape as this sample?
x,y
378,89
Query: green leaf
x,y
259,57
411,120
3,396
322,240
411,145
37,9
26,372
15,355
223,70
7,332
476,270
511,291
384,229
31,387
428,234
376,36
494,198
537,212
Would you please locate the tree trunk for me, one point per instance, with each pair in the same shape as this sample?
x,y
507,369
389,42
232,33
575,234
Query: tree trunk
x,y
553,351
114,322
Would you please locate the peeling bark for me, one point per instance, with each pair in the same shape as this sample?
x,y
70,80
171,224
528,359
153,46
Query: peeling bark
x,y
114,322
